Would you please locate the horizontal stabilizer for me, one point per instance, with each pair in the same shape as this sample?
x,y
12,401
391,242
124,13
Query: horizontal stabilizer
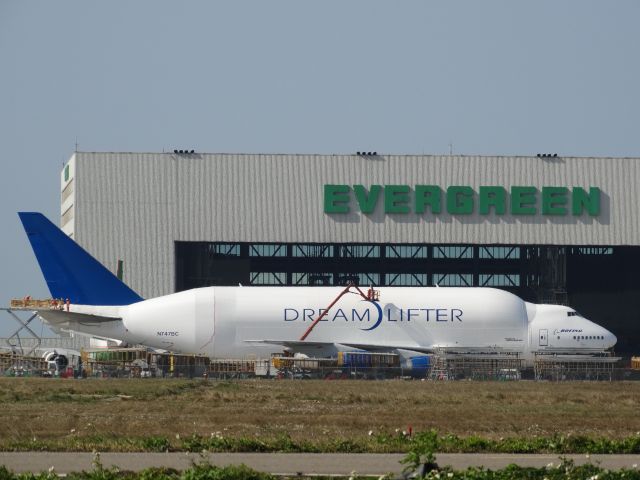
x,y
56,317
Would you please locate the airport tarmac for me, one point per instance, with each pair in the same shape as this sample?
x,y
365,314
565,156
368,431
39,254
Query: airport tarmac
x,y
290,463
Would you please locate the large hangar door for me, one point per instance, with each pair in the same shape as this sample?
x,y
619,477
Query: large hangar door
x,y
203,264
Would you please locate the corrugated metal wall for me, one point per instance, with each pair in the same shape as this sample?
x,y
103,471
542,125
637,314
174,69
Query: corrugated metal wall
x,y
133,206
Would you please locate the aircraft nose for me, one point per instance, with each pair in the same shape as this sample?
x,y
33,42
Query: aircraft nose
x,y
610,339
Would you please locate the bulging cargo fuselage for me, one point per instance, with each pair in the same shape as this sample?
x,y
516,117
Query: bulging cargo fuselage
x,y
236,322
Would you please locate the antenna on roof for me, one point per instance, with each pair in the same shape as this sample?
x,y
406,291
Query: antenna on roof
x,y
76,150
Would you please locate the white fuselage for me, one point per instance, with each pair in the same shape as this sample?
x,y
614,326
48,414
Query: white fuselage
x,y
237,322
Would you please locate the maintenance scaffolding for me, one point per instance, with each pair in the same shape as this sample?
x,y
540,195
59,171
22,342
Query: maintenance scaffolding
x,y
141,362
13,364
476,365
559,367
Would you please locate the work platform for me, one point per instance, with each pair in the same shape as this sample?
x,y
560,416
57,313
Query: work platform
x,y
559,367
476,365
15,365
28,303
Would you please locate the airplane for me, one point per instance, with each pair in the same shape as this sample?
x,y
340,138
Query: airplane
x,y
237,322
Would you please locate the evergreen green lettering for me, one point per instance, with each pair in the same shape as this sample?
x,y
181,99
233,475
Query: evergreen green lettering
x,y
428,195
492,197
459,200
336,198
580,200
396,199
553,199
523,200
367,201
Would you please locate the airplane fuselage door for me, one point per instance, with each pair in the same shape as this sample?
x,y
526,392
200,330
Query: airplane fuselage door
x,y
543,337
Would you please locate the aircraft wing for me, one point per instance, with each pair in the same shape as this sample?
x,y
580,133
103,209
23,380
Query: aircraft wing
x,y
306,347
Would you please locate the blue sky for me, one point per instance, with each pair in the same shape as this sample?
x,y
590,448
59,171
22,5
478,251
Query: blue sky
x,y
491,77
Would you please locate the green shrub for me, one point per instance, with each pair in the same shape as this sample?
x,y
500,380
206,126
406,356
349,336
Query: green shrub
x,y
206,471
155,444
194,443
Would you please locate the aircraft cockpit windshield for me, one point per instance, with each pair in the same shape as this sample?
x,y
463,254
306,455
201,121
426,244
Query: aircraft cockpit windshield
x,y
573,313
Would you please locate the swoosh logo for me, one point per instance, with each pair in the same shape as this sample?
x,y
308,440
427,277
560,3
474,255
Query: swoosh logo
x,y
379,321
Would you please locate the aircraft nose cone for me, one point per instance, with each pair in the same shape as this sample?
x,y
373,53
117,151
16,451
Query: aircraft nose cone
x,y
610,339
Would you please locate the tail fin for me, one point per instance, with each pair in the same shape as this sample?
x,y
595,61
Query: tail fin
x,y
69,270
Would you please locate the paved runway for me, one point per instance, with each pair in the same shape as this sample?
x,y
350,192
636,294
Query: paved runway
x,y
289,463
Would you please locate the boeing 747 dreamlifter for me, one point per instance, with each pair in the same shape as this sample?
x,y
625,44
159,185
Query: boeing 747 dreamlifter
x,y
233,322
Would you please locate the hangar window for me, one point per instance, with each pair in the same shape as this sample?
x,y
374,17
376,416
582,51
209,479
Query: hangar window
x,y
453,279
359,251
592,251
268,278
312,251
499,252
407,279
67,216
406,251
223,249
445,251
66,193
358,278
499,280
267,250
315,278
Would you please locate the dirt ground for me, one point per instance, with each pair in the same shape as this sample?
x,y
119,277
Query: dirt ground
x,y
309,409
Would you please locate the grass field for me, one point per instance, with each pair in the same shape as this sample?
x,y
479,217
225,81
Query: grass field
x,y
70,412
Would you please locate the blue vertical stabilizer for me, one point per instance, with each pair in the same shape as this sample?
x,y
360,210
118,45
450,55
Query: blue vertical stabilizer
x,y
69,270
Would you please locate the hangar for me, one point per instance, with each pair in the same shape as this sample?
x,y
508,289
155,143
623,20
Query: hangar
x,y
549,229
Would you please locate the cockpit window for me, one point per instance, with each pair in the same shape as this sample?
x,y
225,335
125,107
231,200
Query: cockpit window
x,y
573,314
